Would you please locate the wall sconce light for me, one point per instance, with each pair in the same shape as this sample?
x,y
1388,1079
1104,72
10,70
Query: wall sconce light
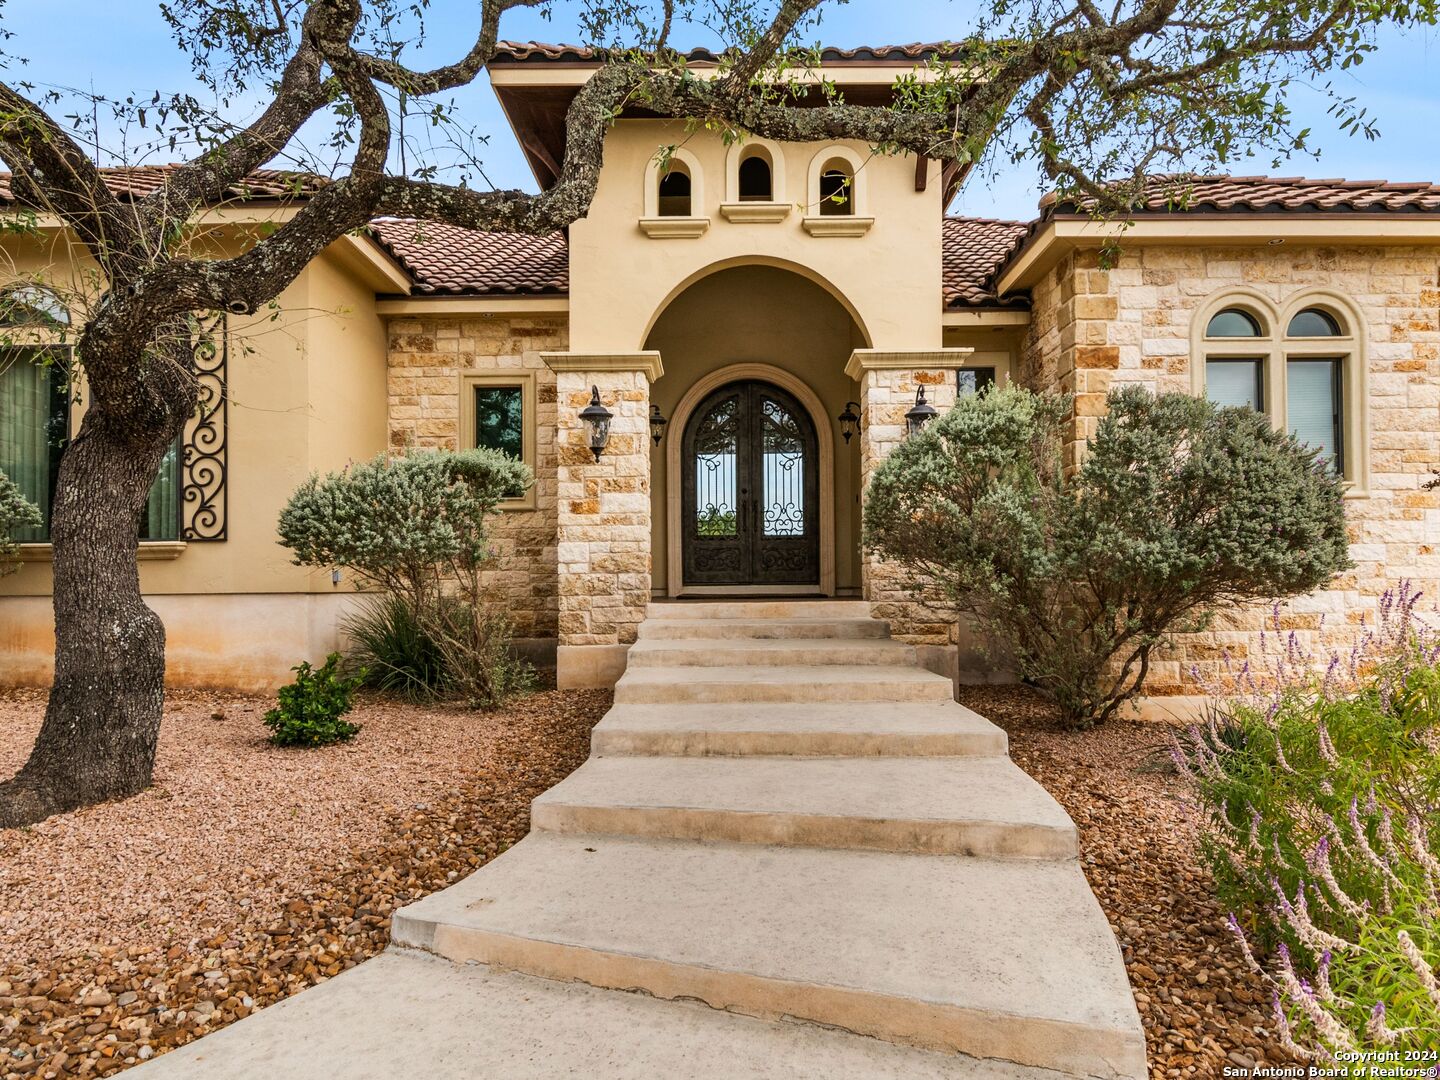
x,y
657,424
849,420
921,413
596,419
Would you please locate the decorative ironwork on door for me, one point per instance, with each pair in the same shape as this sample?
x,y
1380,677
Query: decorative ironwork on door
x,y
750,490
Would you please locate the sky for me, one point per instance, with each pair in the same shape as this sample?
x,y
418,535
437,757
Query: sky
x,y
123,46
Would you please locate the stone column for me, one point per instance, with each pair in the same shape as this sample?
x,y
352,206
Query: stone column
x,y
888,383
603,513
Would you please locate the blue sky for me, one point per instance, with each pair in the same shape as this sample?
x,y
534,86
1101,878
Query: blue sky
x,y
119,46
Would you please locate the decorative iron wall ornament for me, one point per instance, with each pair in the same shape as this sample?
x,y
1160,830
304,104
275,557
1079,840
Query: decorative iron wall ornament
x,y
204,460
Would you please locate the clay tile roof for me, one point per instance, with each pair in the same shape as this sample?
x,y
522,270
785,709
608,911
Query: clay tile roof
x,y
973,251
536,51
137,181
1269,194
449,259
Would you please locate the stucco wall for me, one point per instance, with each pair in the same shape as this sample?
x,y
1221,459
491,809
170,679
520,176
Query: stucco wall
x,y
306,391
890,277
428,356
1096,328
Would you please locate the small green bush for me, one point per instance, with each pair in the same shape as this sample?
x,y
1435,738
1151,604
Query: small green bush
x,y
393,650
16,512
416,526
310,709
1320,797
1179,509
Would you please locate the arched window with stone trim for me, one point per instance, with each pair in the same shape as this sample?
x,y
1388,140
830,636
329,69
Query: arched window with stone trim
x,y
1300,363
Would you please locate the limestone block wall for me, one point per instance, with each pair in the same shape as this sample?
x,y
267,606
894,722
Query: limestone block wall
x,y
1095,328
427,357
604,514
886,394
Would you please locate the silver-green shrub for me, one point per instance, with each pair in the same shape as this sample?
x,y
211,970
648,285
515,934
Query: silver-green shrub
x,y
1179,509
416,526
16,512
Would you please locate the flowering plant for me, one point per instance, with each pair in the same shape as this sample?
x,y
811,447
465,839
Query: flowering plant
x,y
1320,795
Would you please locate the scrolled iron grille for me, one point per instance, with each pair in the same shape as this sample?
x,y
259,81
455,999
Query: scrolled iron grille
x,y
204,457
782,472
716,505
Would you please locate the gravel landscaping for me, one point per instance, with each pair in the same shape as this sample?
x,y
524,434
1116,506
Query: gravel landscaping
x,y
249,873
1202,1008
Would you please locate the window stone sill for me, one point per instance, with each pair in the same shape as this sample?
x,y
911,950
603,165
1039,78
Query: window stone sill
x,y
838,225
755,213
148,551
674,228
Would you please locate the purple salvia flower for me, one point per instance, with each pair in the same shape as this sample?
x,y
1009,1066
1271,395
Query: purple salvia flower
x,y
1376,1029
1285,1035
1320,863
1239,933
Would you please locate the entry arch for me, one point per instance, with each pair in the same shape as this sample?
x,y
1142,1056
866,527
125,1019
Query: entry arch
x,y
810,402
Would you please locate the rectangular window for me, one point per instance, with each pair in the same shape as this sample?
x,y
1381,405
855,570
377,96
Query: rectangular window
x,y
1236,383
972,380
1313,405
34,427
34,424
498,413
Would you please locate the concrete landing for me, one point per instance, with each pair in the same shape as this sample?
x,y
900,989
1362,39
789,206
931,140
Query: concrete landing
x,y
405,1014
934,805
995,958
706,685
798,729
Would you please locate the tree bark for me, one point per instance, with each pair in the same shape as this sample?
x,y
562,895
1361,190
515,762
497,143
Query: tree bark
x,y
103,717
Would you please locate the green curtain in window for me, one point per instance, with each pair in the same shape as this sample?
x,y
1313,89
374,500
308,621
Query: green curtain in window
x,y
1313,400
1234,383
161,520
33,402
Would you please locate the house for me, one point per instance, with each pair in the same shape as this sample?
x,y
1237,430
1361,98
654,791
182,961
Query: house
x,y
779,307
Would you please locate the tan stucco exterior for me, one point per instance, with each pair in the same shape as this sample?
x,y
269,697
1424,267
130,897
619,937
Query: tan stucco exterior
x,y
833,309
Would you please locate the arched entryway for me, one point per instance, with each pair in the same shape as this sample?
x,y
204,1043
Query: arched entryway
x,y
750,490
755,323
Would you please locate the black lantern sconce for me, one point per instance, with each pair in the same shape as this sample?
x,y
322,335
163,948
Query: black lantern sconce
x,y
919,414
849,420
597,423
657,424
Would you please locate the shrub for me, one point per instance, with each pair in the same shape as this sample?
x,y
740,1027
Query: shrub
x,y
1180,508
310,709
16,512
1322,829
417,527
393,650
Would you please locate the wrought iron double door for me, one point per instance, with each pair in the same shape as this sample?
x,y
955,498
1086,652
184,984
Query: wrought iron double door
x,y
750,490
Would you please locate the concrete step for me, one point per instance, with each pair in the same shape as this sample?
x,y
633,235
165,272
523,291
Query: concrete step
x,y
823,729
995,958
408,1014
672,629
781,652
935,806
661,685
758,609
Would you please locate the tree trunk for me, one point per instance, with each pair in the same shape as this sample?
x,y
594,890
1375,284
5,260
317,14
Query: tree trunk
x,y
103,717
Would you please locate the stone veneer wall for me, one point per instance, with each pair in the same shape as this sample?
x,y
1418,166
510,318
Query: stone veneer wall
x,y
1095,328
427,358
886,394
604,534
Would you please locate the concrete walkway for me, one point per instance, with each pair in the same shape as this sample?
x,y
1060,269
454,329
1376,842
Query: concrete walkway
x,y
783,817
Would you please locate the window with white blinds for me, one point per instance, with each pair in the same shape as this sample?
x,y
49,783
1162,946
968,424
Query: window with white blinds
x,y
1235,382
1313,407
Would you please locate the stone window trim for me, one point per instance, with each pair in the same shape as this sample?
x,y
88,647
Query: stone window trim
x,y
998,360
526,381
857,221
667,227
1274,349
746,211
